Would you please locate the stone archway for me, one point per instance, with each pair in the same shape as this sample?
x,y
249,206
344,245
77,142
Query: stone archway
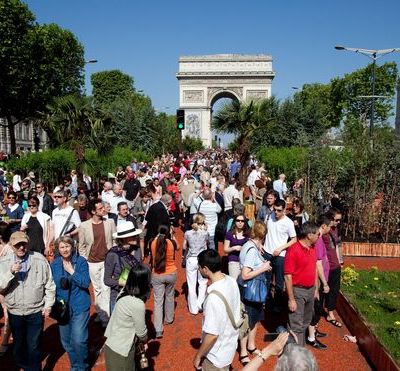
x,y
205,79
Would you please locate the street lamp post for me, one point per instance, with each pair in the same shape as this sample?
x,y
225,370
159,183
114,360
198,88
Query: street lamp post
x,y
374,55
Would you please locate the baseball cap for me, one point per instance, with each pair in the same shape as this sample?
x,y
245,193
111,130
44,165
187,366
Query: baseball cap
x,y
18,237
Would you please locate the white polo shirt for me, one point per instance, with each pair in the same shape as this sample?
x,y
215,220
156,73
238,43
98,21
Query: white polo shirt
x,y
216,321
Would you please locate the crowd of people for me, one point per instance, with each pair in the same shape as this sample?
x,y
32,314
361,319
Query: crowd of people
x,y
245,247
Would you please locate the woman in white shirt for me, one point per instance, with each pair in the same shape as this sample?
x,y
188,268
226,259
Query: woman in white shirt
x,y
127,324
196,241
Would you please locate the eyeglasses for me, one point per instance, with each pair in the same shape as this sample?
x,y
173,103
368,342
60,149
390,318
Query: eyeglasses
x,y
11,197
33,205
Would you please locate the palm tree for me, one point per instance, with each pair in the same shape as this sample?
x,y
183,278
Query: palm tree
x,y
244,119
73,123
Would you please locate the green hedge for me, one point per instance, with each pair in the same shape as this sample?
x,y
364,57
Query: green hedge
x,y
52,165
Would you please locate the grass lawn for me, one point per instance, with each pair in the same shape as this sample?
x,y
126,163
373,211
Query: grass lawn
x,y
376,296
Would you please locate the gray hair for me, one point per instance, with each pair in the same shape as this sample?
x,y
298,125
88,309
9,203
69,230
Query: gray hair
x,y
166,199
108,185
82,197
296,358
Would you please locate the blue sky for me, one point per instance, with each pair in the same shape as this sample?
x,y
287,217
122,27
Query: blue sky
x,y
145,38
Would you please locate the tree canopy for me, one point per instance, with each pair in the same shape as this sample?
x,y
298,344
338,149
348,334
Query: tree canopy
x,y
110,86
37,63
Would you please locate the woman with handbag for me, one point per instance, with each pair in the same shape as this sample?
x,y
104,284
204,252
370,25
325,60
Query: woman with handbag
x,y
163,278
120,260
253,286
195,241
71,276
127,326
235,238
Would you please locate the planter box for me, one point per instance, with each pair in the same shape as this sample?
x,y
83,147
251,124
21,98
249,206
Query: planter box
x,y
368,343
371,249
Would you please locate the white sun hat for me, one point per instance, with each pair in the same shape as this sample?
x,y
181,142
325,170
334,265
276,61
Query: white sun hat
x,y
125,230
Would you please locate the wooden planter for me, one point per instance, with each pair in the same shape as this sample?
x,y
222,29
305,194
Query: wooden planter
x,y
368,343
371,249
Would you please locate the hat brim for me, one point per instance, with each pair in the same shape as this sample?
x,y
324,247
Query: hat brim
x,y
135,233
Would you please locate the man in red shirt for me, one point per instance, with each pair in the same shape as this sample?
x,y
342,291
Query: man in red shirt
x,y
300,278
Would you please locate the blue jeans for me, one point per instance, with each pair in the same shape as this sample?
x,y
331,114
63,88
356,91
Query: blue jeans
x,y
74,338
277,263
27,333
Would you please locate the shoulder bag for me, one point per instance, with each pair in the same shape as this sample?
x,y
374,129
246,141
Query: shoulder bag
x,y
60,309
255,289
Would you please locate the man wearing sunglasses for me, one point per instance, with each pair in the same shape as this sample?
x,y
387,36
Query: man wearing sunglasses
x,y
29,291
280,231
66,220
46,203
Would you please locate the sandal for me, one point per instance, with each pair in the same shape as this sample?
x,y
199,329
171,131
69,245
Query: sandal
x,y
349,338
251,351
241,359
334,322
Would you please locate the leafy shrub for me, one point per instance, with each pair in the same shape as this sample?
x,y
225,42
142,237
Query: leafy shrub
x,y
349,276
191,144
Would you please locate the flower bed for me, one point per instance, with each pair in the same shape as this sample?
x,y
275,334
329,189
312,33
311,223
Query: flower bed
x,y
373,297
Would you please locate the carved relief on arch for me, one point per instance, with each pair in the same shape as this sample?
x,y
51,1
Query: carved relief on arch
x,y
193,96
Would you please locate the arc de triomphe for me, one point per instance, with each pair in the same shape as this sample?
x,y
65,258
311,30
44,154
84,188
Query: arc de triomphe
x,y
206,78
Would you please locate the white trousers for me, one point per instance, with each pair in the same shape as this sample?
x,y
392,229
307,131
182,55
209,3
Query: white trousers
x,y
193,277
234,269
100,290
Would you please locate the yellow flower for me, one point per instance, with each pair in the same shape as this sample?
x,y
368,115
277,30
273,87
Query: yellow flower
x,y
397,323
366,286
376,279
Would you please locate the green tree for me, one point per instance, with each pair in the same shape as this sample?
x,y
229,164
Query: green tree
x,y
245,120
37,63
73,122
347,92
110,86
191,144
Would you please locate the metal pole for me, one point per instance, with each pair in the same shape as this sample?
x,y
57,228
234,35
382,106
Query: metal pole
x,y
371,121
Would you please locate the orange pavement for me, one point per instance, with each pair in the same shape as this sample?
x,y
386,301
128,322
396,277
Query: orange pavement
x,y
178,347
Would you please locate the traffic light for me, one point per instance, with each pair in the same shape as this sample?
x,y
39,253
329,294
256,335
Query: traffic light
x,y
180,119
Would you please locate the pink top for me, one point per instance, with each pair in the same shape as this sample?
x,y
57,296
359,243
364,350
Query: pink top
x,y
320,250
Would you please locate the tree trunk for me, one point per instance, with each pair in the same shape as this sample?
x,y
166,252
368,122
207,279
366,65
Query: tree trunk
x,y
11,132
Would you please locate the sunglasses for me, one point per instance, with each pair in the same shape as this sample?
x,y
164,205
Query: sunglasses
x,y
239,220
58,196
32,205
21,245
11,197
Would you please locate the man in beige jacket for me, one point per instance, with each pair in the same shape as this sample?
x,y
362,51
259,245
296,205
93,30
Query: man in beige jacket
x,y
29,290
95,239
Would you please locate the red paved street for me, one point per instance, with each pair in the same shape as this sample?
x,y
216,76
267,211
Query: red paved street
x,y
177,349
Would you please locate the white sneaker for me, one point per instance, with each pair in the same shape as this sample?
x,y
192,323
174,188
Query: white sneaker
x,y
3,349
